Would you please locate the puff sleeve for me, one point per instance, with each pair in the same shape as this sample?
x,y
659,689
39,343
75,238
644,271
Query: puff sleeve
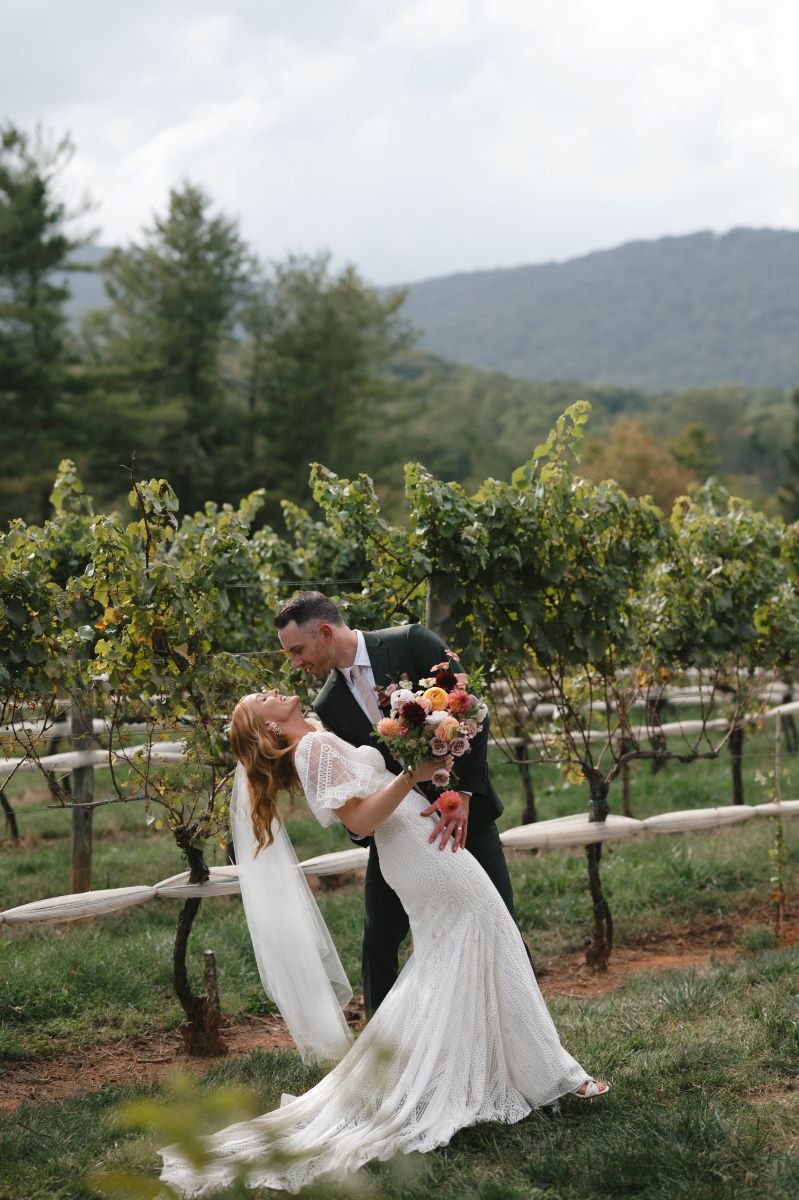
x,y
331,772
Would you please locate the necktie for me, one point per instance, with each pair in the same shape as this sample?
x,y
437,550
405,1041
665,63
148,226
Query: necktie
x,y
361,686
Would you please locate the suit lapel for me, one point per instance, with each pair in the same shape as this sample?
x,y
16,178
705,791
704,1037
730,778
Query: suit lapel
x,y
341,712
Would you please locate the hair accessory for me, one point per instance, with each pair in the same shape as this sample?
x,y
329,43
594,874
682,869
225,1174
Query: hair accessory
x,y
274,728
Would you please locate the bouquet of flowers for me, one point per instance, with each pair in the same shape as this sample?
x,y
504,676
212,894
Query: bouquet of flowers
x,y
439,720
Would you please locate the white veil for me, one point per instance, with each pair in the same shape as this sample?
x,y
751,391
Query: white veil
x,y
297,961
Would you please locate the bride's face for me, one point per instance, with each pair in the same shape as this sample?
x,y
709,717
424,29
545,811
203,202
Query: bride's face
x,y
273,706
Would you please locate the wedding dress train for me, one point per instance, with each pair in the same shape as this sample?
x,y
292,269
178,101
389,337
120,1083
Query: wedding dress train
x,y
463,1036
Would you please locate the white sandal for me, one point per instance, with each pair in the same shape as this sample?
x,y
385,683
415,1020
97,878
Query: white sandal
x,y
592,1088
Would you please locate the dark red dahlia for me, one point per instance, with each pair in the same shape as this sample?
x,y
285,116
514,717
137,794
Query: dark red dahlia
x,y
446,680
413,713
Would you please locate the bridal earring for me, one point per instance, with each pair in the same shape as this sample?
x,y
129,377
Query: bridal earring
x,y
274,728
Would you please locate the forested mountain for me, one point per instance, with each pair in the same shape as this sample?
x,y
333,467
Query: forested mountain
x,y
674,313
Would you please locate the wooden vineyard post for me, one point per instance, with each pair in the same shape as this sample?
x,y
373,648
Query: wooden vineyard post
x,y
736,745
777,853
10,816
435,612
81,786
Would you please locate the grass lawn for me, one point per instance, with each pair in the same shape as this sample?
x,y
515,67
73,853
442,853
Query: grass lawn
x,y
703,1063
704,1105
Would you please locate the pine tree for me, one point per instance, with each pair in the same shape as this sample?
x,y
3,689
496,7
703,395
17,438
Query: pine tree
x,y
37,412
318,345
174,303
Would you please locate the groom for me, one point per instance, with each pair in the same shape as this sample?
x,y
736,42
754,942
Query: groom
x,y
313,634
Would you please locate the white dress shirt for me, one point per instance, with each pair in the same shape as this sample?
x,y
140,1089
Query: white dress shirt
x,y
361,660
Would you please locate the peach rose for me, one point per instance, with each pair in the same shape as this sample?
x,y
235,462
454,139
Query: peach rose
x,y
448,728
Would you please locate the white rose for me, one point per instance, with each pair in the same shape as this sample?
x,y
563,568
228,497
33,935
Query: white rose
x,y
401,696
435,718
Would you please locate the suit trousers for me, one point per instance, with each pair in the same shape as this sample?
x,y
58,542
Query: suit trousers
x,y
386,923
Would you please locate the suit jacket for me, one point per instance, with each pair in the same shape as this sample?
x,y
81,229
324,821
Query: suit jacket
x,y
407,650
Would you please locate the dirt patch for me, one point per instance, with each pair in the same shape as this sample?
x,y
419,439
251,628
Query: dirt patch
x,y
674,948
568,975
146,1057
136,1059
128,1060
785,1094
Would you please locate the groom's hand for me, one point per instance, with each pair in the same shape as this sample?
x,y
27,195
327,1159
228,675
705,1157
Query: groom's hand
x,y
452,824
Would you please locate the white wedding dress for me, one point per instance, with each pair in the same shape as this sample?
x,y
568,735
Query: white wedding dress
x,y
463,1036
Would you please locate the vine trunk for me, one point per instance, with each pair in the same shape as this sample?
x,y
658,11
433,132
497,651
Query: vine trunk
x,y
200,1030
597,956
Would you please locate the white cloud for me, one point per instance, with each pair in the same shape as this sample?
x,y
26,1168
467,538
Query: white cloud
x,y
416,137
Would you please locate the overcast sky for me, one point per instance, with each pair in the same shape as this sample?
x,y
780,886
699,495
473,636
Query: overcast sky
x,y
420,137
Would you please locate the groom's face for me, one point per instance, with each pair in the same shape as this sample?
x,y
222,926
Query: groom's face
x,y
310,647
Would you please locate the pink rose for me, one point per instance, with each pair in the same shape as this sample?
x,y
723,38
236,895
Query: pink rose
x,y
461,680
458,746
469,727
439,746
440,778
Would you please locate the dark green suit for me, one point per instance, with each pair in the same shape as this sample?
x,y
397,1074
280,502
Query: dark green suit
x,y
409,650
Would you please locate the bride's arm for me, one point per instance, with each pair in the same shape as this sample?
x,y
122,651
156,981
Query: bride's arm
x,y
362,815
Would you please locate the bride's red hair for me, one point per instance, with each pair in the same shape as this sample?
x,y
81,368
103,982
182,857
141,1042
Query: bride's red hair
x,y
269,766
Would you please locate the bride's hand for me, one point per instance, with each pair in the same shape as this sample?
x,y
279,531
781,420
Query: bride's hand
x,y
425,770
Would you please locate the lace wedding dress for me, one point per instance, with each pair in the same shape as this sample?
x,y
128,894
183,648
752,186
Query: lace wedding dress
x,y
463,1036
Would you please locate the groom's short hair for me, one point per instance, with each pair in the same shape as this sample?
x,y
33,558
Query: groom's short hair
x,y
308,606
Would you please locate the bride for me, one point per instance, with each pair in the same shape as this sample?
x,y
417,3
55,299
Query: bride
x,y
464,1034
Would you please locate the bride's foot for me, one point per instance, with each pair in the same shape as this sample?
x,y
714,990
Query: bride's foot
x,y
592,1088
